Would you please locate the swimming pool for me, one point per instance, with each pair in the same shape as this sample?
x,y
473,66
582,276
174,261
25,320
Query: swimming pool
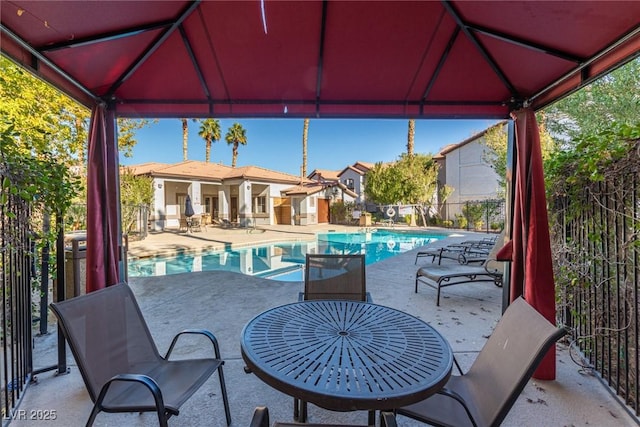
x,y
285,260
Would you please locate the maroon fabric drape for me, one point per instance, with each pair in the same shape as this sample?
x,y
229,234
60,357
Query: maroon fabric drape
x,y
530,248
102,201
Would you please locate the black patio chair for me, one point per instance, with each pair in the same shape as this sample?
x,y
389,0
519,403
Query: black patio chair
x,y
119,361
261,419
485,394
332,276
335,276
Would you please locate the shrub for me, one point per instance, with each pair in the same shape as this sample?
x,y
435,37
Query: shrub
x,y
462,221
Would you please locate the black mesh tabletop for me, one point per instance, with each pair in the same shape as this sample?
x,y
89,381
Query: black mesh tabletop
x,y
347,355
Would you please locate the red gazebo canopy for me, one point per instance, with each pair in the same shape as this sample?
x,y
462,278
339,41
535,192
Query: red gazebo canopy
x,y
395,59
391,59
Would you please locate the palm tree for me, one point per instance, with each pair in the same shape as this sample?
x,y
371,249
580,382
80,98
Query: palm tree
x,y
185,138
236,135
411,136
209,131
305,132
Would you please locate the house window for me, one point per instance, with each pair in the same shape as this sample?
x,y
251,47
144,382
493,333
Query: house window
x,y
181,201
260,204
349,183
312,202
211,206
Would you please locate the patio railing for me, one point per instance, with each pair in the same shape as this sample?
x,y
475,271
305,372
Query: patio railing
x,y
16,271
597,268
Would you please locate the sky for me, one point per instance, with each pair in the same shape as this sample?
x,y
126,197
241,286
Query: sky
x,y
276,144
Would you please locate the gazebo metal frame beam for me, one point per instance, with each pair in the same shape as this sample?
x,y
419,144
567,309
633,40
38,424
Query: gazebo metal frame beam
x,y
323,28
196,65
584,66
153,47
99,38
436,72
39,57
481,49
525,43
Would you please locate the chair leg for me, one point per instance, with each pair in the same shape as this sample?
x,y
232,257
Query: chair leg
x,y
94,412
225,399
162,418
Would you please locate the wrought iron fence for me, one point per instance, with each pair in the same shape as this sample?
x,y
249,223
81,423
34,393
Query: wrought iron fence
x,y
135,220
597,268
16,272
480,215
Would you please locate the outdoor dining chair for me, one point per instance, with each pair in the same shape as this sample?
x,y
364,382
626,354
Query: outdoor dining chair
x,y
485,394
332,276
335,276
261,419
119,361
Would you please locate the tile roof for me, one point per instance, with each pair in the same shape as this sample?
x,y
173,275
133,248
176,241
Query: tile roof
x,y
313,187
145,168
211,171
326,174
258,173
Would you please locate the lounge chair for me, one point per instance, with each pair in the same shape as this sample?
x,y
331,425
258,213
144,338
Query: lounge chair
x,y
486,393
119,361
261,419
468,251
332,276
440,276
462,254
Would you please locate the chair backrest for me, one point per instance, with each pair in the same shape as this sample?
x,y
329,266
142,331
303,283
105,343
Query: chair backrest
x,y
335,277
106,333
518,343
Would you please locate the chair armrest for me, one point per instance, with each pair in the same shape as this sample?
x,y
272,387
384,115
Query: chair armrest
x,y
490,266
144,380
208,334
260,417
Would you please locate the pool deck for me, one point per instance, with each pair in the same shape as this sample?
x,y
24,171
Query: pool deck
x,y
224,302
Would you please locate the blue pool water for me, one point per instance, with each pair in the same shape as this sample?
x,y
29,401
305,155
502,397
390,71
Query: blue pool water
x,y
285,260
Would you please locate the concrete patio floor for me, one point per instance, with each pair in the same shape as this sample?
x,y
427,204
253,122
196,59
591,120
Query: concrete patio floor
x,y
224,302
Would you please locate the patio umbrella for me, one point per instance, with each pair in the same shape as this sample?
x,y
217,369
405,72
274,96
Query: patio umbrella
x,y
530,249
188,208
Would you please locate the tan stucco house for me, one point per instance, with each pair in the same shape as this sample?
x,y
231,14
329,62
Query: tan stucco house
x,y
248,195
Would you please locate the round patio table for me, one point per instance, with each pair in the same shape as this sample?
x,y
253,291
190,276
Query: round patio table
x,y
347,355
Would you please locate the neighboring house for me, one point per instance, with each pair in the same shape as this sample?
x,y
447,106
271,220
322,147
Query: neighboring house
x,y
353,178
462,167
247,195
324,175
310,201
